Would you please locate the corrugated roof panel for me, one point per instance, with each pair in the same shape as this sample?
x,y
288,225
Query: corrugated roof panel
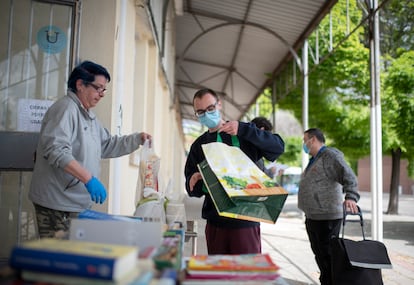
x,y
230,8
233,58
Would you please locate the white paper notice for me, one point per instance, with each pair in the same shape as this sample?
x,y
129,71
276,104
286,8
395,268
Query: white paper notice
x,y
30,113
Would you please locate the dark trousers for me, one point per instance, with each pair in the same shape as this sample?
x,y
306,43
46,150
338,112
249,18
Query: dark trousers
x,y
320,233
233,241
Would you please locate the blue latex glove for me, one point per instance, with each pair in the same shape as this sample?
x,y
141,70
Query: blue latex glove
x,y
96,190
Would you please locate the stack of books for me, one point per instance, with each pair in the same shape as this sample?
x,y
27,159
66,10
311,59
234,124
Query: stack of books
x,y
101,227
72,262
169,254
231,269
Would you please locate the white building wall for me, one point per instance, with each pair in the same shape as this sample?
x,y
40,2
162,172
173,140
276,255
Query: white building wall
x,y
146,94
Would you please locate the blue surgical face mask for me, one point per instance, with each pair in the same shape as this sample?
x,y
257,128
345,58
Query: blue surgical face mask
x,y
305,148
210,119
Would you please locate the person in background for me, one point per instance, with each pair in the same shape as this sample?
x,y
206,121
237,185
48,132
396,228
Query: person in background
x,y
226,235
72,143
321,197
264,124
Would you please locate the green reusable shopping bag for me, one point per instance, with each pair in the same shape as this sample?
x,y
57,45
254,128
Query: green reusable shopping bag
x,y
238,188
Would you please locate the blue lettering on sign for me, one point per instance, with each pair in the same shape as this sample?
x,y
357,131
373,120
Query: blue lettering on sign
x,y
51,39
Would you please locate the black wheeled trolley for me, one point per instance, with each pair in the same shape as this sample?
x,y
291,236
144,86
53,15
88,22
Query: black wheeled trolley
x,y
357,262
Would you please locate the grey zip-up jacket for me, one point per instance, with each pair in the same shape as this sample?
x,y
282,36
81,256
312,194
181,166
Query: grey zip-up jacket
x,y
323,185
69,132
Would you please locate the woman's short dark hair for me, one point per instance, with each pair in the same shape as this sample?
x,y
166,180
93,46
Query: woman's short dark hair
x,y
262,122
315,132
86,70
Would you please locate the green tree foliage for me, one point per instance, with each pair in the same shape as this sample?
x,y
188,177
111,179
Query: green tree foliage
x,y
398,107
293,150
263,106
396,27
339,86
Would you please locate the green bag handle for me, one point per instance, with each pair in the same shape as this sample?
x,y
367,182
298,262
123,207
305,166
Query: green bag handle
x,y
234,141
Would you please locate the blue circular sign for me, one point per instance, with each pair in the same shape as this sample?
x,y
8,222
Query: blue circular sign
x,y
51,39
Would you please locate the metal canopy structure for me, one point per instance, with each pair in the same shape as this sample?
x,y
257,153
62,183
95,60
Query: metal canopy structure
x,y
236,47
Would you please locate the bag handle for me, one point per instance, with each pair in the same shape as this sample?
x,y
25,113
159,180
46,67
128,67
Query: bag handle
x,y
234,140
361,220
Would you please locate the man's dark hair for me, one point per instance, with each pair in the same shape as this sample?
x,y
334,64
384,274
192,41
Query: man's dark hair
x,y
315,132
87,70
200,93
262,122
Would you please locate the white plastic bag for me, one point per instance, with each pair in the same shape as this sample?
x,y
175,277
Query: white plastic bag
x,y
149,203
147,184
175,209
175,213
151,209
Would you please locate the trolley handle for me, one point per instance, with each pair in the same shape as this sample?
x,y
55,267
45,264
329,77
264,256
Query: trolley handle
x,y
361,219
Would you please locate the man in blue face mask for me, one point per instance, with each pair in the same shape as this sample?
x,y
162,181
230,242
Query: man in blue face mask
x,y
327,184
226,235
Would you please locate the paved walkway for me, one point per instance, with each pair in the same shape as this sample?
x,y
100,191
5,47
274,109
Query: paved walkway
x,y
289,247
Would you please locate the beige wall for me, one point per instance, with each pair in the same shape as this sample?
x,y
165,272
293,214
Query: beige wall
x,y
137,74
364,182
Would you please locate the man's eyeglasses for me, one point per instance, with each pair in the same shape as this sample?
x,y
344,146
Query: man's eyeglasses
x,y
306,141
98,89
210,109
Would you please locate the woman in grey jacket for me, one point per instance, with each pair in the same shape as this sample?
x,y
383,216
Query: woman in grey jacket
x,y
71,145
321,196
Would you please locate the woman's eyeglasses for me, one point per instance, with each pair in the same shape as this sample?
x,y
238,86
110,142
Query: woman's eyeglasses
x,y
98,89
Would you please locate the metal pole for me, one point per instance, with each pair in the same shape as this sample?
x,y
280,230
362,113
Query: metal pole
x,y
375,129
378,125
117,171
19,208
305,102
